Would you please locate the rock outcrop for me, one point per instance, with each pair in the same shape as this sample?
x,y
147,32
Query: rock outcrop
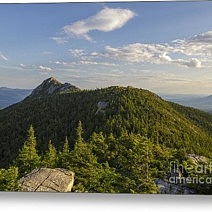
x,y
165,187
197,159
47,180
101,106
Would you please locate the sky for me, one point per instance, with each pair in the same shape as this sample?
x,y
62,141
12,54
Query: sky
x,y
165,47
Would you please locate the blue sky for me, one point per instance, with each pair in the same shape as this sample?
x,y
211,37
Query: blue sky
x,y
165,47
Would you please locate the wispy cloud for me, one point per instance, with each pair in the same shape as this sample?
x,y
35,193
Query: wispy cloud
x,y
194,52
200,45
32,67
108,19
3,57
44,68
87,62
77,52
58,62
190,52
59,40
152,53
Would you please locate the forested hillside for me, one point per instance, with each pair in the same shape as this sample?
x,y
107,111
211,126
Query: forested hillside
x,y
123,131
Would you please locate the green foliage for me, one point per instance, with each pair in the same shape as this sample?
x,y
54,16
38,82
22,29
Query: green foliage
x,y
79,133
112,165
28,158
64,155
50,158
99,146
133,159
8,179
90,175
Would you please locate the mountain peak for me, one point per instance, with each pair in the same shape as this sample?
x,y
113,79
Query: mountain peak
x,y
51,86
52,80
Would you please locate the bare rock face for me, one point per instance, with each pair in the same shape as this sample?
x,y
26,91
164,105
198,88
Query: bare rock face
x,y
47,180
101,106
165,187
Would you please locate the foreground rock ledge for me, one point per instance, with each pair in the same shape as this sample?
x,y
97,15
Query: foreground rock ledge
x,y
47,180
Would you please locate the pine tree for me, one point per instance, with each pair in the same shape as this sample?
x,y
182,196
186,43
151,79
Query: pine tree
x,y
145,148
84,164
79,132
50,158
64,155
28,158
99,146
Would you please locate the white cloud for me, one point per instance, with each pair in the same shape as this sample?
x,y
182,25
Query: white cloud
x,y
200,45
77,52
203,38
191,63
191,53
195,52
59,40
3,57
136,52
45,68
58,62
87,62
108,19
22,65
139,52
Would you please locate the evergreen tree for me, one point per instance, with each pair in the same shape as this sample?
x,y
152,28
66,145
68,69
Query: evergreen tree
x,y
50,158
99,146
144,148
79,132
64,155
28,158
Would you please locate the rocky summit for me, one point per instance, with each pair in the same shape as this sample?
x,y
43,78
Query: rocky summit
x,y
51,86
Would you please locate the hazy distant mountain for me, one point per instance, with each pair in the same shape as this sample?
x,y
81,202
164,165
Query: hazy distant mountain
x,y
197,101
9,96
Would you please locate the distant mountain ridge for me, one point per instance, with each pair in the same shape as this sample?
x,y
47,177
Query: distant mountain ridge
x,y
9,96
196,101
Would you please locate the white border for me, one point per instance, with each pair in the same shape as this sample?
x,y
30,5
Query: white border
x,y
50,202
